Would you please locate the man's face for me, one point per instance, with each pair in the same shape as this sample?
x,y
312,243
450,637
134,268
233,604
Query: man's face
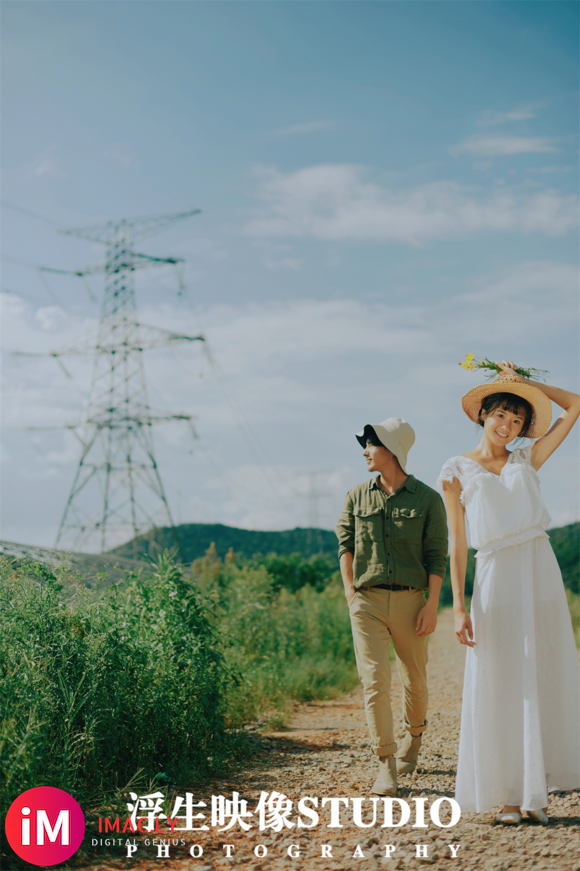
x,y
376,457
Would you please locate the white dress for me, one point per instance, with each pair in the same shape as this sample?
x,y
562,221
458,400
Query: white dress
x,y
521,696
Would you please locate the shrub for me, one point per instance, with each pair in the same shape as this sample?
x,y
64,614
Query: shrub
x,y
97,691
574,606
287,644
154,677
294,571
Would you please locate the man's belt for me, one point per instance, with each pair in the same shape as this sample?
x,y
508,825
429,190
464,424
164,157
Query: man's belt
x,y
388,587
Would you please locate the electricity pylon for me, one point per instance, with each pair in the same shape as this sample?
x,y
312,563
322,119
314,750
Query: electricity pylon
x,y
314,495
117,492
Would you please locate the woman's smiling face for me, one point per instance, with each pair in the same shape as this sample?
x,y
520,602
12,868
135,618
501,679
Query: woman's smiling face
x,y
502,426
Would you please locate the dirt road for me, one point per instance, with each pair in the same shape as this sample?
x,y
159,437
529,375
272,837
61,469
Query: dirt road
x,y
324,753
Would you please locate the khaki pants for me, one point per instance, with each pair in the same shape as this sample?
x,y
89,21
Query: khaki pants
x,y
377,616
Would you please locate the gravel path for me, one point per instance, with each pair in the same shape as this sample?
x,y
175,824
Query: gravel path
x,y
324,752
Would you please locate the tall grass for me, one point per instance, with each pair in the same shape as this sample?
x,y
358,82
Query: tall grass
x,y
94,692
155,676
287,644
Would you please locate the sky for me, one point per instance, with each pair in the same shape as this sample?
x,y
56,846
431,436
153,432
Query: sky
x,y
384,186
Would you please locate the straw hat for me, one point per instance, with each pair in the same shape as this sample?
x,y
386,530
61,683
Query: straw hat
x,y
506,383
395,434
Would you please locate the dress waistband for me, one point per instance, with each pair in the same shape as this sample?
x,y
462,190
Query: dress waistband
x,y
511,540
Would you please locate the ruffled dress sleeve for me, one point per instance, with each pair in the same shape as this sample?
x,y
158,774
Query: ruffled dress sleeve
x,y
449,471
522,455
452,469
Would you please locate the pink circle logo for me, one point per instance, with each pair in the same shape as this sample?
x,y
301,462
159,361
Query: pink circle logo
x,y
45,825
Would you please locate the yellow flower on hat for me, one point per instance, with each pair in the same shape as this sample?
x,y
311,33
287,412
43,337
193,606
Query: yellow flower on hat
x,y
492,370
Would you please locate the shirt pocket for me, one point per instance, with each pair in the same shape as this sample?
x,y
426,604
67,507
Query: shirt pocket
x,y
368,531
408,525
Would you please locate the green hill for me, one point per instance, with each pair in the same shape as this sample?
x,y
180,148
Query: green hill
x,y
566,543
193,539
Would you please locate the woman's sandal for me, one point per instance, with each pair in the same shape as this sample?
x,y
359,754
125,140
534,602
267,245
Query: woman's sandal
x,y
539,817
510,819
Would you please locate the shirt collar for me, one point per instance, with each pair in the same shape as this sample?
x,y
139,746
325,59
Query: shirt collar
x,y
410,485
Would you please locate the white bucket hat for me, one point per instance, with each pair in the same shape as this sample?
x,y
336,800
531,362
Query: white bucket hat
x,y
395,434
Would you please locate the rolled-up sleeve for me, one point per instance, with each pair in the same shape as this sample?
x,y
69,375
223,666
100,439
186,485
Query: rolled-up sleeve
x,y
345,528
435,538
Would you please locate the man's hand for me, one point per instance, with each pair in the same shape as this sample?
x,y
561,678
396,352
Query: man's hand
x,y
464,628
427,620
346,561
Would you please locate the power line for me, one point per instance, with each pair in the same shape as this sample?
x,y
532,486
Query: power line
x,y
8,205
39,270
21,295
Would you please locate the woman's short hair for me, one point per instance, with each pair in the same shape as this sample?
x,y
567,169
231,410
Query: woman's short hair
x,y
509,402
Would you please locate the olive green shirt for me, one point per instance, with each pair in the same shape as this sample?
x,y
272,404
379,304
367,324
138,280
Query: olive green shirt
x,y
397,539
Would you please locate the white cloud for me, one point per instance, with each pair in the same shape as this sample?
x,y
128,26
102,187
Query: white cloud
x,y
335,202
533,299
553,282
319,328
504,146
287,361
490,118
37,391
301,377
292,263
122,156
46,164
51,318
302,129
550,169
289,491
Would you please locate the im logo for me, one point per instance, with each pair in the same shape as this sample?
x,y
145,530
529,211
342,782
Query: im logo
x,y
45,825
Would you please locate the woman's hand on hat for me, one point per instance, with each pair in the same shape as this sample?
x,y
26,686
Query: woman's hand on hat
x,y
509,367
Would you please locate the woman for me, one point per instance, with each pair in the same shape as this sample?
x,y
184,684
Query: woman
x,y
519,724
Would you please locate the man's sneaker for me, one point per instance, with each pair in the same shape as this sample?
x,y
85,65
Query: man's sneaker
x,y
386,782
408,754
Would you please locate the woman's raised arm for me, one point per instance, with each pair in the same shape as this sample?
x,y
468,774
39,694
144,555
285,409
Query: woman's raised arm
x,y
567,400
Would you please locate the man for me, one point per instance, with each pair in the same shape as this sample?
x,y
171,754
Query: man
x,y
392,548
